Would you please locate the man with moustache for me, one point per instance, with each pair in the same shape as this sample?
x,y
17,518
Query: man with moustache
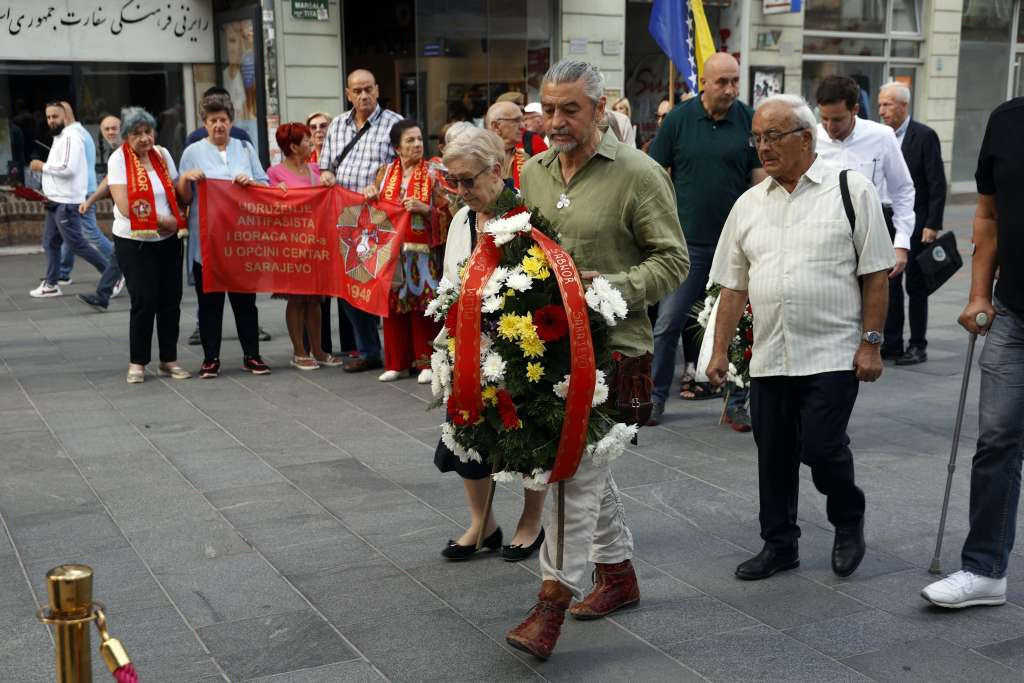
x,y
703,143
65,179
814,262
923,154
614,210
358,143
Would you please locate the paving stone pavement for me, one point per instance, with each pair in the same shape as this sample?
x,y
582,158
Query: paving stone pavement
x,y
288,528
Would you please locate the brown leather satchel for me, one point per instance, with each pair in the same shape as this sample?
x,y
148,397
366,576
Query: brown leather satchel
x,y
630,388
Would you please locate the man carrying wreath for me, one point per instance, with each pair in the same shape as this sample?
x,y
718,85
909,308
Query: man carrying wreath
x,y
614,209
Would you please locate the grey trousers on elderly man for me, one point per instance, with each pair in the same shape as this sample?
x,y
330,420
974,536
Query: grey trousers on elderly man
x,y
595,528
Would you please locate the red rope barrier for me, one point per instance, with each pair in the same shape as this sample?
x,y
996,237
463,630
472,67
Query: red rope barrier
x,y
126,674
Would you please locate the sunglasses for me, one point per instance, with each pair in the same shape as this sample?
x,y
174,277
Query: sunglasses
x,y
319,126
467,183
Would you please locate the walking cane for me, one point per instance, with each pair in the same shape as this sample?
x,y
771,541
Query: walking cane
x,y
981,320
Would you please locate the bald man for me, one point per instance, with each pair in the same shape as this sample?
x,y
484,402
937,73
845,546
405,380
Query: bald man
x,y
704,143
506,119
358,142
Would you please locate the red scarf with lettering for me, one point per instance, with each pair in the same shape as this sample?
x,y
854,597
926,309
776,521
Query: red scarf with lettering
x,y
420,187
141,200
517,164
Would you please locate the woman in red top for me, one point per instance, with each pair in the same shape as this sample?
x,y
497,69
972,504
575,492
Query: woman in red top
x,y
302,313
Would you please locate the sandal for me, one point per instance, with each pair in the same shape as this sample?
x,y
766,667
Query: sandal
x,y
174,372
136,376
330,360
698,391
305,362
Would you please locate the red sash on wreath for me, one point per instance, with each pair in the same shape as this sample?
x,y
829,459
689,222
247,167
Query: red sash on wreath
x,y
141,199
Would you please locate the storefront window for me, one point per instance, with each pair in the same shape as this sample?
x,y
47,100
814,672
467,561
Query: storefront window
x,y
468,52
95,90
904,16
986,32
853,16
869,76
834,45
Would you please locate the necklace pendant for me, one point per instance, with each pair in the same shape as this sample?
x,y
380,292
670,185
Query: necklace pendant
x,y
563,202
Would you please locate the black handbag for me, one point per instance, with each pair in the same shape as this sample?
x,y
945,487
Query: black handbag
x,y
939,261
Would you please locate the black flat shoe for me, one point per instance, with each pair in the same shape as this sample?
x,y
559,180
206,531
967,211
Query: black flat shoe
x,y
848,550
456,552
767,563
517,553
913,355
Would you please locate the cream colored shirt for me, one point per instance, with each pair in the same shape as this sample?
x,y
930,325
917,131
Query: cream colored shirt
x,y
799,261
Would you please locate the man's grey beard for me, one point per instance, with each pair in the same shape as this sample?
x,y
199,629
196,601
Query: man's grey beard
x,y
565,146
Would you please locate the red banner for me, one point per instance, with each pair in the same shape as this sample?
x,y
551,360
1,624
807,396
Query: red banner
x,y
310,240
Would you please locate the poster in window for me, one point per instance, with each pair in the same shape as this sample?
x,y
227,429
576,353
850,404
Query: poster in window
x,y
765,81
238,71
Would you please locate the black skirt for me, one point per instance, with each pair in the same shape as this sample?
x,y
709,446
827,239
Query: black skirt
x,y
446,461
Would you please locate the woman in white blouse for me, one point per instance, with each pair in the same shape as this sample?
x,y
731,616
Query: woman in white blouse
x,y
150,260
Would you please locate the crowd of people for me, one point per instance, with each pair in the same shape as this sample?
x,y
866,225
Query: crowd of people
x,y
813,220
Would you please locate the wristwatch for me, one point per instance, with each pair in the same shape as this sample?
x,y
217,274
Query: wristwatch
x,y
872,337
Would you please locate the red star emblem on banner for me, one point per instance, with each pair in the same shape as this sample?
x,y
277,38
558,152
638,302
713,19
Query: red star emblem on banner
x,y
366,234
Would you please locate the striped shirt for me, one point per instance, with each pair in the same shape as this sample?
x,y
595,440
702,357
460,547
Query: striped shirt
x,y
799,260
373,150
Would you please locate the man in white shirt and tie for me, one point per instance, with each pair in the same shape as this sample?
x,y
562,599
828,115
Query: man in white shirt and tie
x,y
846,141
814,262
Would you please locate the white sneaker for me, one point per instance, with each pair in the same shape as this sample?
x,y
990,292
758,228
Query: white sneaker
x,y
964,589
425,376
65,281
45,291
118,288
389,376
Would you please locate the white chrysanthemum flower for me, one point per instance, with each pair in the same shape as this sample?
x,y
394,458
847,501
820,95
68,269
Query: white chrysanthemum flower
x,y
441,372
738,381
505,229
432,307
600,394
732,369
561,389
703,316
493,304
485,343
538,480
612,444
471,456
493,367
519,280
495,282
448,439
506,477
446,286
606,300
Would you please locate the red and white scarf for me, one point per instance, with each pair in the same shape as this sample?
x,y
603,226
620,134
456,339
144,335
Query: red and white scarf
x,y
141,200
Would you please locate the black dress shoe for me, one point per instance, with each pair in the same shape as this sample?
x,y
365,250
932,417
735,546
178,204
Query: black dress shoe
x,y
363,364
913,356
848,550
516,553
456,552
891,353
767,563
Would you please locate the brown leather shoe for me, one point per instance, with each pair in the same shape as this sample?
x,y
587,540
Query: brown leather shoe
x,y
615,587
539,633
363,364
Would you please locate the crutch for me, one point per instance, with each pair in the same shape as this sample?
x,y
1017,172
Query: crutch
x,y
981,320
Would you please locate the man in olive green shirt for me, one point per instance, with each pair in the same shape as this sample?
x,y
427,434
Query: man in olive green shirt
x,y
615,211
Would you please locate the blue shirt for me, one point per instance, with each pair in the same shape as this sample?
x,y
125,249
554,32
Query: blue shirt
x,y
240,157
90,155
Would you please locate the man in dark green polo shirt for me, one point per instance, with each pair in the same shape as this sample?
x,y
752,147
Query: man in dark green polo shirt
x,y
704,144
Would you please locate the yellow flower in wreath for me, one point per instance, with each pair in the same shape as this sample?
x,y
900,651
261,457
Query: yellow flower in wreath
x,y
532,347
536,268
509,327
534,371
490,396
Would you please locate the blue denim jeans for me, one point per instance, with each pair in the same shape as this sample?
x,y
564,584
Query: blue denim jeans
x,y
64,226
673,313
109,278
364,325
995,472
94,236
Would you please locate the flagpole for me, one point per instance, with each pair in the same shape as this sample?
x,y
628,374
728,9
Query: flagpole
x,y
671,85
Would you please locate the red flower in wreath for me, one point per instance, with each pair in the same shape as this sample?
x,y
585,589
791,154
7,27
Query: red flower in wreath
x,y
551,323
747,353
750,335
452,319
507,410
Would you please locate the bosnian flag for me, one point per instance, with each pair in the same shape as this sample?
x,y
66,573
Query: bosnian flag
x,y
680,29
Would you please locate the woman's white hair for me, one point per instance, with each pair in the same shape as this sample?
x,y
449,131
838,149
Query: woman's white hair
x,y
457,129
802,114
476,144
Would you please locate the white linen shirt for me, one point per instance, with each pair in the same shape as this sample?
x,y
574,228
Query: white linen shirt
x,y
799,261
872,149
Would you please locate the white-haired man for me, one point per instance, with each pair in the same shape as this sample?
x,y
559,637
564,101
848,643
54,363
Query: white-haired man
x,y
813,260
615,211
923,154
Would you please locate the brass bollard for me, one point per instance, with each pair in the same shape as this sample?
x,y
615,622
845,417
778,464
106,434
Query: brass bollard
x,y
70,611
